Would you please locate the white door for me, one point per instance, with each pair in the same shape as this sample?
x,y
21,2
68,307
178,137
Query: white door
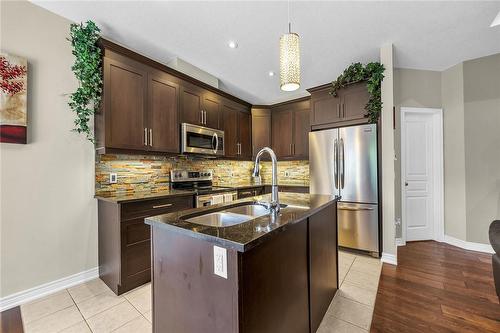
x,y
418,140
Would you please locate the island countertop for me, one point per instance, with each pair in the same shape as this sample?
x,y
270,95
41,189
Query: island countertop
x,y
244,236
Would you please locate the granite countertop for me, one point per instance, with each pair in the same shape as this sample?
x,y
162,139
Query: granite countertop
x,y
141,196
244,236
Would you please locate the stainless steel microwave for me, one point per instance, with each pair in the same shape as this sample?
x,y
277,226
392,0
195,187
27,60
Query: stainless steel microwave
x,y
201,140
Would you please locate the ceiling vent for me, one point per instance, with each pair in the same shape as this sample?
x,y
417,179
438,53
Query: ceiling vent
x,y
193,71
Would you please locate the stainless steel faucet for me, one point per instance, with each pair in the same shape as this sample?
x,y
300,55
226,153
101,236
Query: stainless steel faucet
x,y
275,203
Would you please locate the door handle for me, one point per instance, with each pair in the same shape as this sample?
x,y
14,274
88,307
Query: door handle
x,y
216,148
343,110
163,206
335,163
338,110
151,137
145,136
342,160
204,117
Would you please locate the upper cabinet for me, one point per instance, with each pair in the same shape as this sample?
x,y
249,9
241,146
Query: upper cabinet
x,y
290,129
261,129
139,108
237,130
144,103
199,106
347,108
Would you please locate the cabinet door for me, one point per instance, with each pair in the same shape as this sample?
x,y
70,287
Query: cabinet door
x,y
261,131
323,275
230,131
302,127
325,108
163,114
211,106
135,253
245,136
282,133
191,104
354,99
125,86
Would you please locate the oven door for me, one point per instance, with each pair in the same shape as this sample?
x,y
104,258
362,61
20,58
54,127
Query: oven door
x,y
201,140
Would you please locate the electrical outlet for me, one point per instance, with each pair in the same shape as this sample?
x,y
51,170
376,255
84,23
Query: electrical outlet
x,y
113,178
220,261
287,173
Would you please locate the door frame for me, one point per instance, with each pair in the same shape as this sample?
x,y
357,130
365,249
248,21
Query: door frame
x,y
438,168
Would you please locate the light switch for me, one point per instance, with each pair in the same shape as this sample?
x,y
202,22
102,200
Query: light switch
x,y
113,178
220,261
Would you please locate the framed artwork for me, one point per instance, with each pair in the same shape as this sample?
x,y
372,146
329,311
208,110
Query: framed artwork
x,y
13,98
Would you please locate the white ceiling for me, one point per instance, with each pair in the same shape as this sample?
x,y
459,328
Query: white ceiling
x,y
426,35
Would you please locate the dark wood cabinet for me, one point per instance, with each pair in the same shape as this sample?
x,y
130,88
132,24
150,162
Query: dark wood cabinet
x,y
199,106
347,108
163,113
124,100
261,129
125,240
191,104
237,130
144,103
290,129
251,192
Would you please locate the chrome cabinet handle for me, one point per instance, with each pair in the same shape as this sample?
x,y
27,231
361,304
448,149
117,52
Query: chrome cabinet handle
x,y
145,136
201,117
338,110
343,110
291,149
204,117
163,206
151,137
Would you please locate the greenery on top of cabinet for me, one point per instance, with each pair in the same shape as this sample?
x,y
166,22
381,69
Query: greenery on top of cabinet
x,y
373,74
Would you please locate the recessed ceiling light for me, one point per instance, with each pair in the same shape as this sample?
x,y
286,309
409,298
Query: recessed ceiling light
x,y
232,44
271,73
496,21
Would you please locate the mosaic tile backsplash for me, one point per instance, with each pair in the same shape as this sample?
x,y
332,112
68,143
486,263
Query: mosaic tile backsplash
x,y
152,173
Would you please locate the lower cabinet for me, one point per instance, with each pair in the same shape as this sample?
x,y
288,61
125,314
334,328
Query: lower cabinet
x,y
250,192
288,188
125,240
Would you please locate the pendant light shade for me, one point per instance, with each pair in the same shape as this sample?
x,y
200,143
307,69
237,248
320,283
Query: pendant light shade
x,y
289,62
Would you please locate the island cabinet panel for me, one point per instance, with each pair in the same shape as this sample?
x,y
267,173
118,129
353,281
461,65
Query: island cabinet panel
x,y
187,295
274,299
323,259
261,129
290,129
345,109
124,239
125,98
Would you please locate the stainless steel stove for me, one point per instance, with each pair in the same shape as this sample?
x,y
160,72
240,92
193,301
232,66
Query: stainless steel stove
x,y
201,182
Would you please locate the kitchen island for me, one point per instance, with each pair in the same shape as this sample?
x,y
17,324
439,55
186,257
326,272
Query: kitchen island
x,y
275,272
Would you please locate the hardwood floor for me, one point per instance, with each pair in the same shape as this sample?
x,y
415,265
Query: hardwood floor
x,y
10,321
437,287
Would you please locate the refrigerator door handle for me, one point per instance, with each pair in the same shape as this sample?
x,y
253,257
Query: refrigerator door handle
x,y
342,161
335,163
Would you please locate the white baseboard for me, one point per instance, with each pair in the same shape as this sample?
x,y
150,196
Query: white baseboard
x,y
479,247
31,294
400,242
389,258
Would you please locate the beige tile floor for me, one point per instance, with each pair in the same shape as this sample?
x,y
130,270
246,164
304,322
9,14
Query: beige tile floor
x,y
93,307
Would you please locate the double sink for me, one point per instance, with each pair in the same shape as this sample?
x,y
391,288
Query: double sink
x,y
231,216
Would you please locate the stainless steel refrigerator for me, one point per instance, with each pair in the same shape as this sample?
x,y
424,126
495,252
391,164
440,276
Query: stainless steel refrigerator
x,y
343,161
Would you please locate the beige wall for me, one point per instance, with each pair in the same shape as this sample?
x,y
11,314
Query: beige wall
x,y
482,144
386,120
452,86
412,88
48,214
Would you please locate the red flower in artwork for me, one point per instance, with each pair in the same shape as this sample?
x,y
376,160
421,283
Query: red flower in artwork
x,y
10,74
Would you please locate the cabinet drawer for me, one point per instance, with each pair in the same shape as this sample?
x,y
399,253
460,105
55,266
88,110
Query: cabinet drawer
x,y
155,207
251,192
135,231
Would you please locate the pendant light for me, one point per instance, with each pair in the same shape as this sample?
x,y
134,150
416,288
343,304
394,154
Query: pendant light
x,y
289,59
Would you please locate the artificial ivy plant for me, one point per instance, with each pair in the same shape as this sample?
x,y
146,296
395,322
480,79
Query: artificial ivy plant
x,y
373,74
86,99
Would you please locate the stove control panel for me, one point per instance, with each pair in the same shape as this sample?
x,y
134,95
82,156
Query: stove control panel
x,y
190,175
